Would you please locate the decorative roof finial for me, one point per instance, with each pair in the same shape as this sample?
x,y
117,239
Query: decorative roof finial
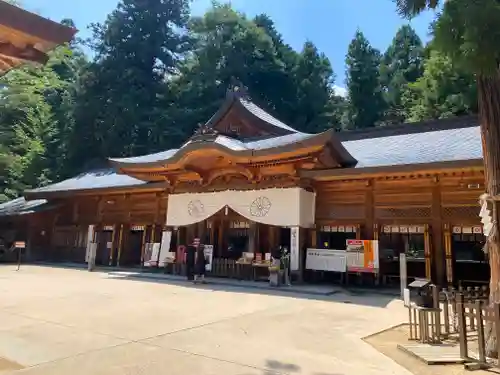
x,y
204,131
237,87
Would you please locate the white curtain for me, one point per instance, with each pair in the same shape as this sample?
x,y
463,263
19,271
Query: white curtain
x,y
281,207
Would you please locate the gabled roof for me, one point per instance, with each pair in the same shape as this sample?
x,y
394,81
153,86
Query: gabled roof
x,y
269,145
25,36
280,138
454,141
433,144
20,206
238,97
92,180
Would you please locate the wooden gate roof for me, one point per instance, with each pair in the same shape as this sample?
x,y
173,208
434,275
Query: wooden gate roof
x,y
27,37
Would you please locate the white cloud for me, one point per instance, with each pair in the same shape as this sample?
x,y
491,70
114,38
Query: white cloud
x,y
340,91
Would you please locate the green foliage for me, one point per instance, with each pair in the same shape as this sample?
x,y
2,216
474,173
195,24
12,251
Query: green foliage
x,y
363,83
119,106
157,74
468,32
33,121
444,90
401,64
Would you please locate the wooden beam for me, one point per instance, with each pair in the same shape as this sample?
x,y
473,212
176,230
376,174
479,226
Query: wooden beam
x,y
26,54
32,25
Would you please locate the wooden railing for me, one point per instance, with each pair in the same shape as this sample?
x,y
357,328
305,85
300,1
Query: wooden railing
x,y
458,316
227,268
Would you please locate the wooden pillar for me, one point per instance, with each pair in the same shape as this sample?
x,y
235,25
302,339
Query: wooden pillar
x,y
438,254
271,238
221,235
252,237
153,233
143,243
314,238
120,245
427,252
113,244
375,231
448,250
75,212
358,231
369,233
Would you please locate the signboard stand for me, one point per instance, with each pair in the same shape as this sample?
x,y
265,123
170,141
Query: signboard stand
x,y
91,256
19,246
403,276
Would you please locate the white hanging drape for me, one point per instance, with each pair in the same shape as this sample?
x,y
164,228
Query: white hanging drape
x,y
285,207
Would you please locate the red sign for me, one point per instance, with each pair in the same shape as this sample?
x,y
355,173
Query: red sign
x,y
258,257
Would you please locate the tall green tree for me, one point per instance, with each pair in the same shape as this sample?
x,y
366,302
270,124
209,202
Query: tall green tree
x,y
363,83
314,77
119,109
230,46
444,90
402,63
31,121
468,32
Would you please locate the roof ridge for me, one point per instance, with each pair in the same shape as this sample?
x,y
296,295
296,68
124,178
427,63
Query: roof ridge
x,y
457,122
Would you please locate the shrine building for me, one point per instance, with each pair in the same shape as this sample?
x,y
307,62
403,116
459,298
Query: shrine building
x,y
245,181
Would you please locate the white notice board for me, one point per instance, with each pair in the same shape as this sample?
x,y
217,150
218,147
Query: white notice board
x,y
326,260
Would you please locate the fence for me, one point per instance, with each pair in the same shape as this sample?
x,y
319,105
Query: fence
x,y
458,316
228,268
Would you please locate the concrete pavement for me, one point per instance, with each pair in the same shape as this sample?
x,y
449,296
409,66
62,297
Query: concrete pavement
x,y
60,321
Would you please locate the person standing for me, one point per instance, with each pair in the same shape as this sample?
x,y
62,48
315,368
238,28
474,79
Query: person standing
x,y
190,261
200,266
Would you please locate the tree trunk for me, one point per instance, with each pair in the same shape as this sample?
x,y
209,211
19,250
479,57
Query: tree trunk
x,y
489,117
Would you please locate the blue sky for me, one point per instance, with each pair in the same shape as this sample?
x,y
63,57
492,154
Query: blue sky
x,y
330,24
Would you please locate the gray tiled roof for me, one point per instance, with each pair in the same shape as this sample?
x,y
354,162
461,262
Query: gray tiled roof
x,y
402,149
150,158
222,140
417,148
20,206
263,115
102,178
278,141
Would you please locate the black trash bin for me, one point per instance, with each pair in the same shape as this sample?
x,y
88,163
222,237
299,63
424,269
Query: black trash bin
x,y
421,292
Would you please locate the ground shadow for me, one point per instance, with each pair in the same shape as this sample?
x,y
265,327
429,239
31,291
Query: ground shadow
x,y
274,367
351,295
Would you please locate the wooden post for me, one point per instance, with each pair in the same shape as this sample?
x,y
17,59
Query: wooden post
x,y
358,231
462,328
427,251
314,238
448,250
120,245
437,313
370,233
113,244
143,243
438,253
496,317
480,332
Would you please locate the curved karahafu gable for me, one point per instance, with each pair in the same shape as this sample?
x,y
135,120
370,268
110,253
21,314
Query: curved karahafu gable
x,y
243,131
271,148
27,37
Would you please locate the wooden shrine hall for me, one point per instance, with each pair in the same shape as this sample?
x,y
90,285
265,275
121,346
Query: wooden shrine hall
x,y
245,181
